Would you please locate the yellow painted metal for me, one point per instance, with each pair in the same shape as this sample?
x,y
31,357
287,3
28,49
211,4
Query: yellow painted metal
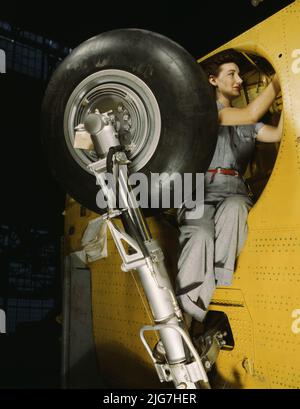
x,y
120,308
267,278
263,302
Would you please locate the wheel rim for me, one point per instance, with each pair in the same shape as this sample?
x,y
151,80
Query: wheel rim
x,y
134,107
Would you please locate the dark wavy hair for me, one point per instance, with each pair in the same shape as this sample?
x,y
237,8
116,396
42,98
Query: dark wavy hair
x,y
211,65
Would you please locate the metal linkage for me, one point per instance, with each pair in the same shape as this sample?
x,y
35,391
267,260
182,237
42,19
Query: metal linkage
x,y
182,363
191,373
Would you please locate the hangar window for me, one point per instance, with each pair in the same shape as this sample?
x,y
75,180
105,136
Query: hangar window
x,y
30,54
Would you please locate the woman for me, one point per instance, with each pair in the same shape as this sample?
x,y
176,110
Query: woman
x,y
211,244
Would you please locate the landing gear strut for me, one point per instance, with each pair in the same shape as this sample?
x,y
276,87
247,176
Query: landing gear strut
x,y
181,364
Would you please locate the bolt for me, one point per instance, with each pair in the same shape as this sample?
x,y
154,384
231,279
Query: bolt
x,y
125,117
207,364
120,108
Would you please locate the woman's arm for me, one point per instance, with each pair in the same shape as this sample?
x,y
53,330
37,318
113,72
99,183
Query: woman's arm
x,y
270,133
254,110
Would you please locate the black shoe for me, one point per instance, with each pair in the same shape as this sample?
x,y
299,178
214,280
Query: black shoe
x,y
197,328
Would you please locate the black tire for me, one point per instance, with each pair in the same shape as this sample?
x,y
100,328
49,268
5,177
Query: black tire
x,y
187,107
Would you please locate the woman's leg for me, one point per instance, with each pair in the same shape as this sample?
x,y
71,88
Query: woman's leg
x,y
230,232
195,282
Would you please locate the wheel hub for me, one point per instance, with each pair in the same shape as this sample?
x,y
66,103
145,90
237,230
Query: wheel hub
x,y
133,110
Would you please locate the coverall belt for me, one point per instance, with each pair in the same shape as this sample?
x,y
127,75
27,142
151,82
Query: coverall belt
x,y
231,172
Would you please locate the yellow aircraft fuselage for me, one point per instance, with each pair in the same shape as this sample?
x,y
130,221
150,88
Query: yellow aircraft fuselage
x,y
263,303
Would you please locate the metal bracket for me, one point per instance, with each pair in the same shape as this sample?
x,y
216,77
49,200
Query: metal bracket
x,y
130,261
163,372
195,371
157,255
98,167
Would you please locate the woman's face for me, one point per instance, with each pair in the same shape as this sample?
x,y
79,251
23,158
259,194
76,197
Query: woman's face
x,y
227,82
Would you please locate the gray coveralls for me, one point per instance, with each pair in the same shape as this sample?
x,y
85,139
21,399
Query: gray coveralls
x,y
210,244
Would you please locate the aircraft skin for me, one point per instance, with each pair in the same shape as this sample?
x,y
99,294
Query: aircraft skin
x,y
263,302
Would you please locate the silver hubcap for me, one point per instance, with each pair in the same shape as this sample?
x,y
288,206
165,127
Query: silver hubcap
x,y
134,108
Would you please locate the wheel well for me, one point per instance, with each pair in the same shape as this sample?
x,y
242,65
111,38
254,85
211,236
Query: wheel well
x,y
257,73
